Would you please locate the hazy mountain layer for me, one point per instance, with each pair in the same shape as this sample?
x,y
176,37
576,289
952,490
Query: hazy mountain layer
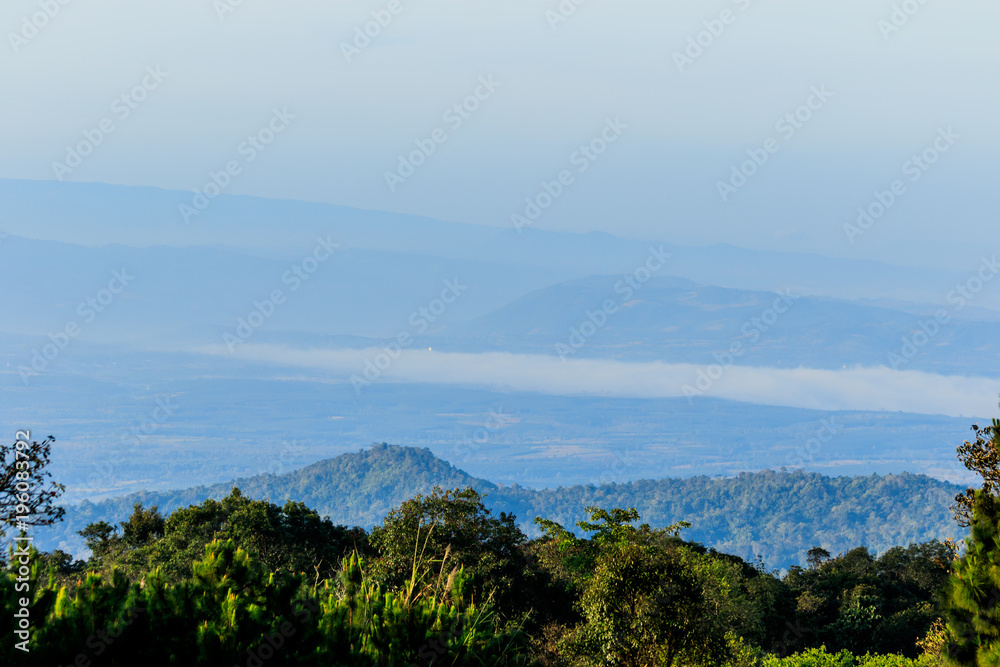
x,y
207,296
775,515
95,214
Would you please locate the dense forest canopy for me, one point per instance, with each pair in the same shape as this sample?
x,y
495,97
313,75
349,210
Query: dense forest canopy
x,y
443,565
777,516
445,579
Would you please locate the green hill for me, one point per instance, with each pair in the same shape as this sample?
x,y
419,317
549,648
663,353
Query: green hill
x,y
775,515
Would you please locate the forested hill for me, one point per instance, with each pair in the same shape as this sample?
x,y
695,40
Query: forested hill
x,y
776,515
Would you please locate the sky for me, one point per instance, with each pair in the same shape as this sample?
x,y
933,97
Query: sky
x,y
854,129
884,85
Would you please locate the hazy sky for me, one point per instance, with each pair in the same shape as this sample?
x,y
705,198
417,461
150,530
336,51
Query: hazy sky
x,y
887,94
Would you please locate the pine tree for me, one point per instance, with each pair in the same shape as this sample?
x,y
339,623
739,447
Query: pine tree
x,y
972,597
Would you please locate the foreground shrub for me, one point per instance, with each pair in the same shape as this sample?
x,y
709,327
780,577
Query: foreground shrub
x,y
819,657
232,611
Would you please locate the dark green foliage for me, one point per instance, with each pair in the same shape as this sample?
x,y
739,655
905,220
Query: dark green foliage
x,y
643,607
973,594
447,580
292,538
853,601
354,489
861,603
820,657
777,516
816,556
143,527
444,580
645,599
981,456
456,525
231,610
99,538
27,497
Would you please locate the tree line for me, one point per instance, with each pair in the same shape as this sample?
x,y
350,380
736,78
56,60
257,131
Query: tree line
x,y
775,515
443,580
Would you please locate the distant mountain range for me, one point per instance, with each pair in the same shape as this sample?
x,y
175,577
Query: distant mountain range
x,y
777,516
677,320
94,214
365,298
193,282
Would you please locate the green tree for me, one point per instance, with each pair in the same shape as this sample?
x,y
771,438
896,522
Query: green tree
x,y
455,525
25,487
143,526
981,456
646,598
641,608
973,594
816,556
231,610
100,537
292,538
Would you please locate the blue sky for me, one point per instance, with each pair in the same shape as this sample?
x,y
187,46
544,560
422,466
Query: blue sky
x,y
764,124
558,83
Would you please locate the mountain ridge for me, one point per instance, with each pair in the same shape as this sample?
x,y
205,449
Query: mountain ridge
x,y
774,515
99,213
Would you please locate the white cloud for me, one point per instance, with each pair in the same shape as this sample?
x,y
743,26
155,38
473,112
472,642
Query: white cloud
x,y
875,388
